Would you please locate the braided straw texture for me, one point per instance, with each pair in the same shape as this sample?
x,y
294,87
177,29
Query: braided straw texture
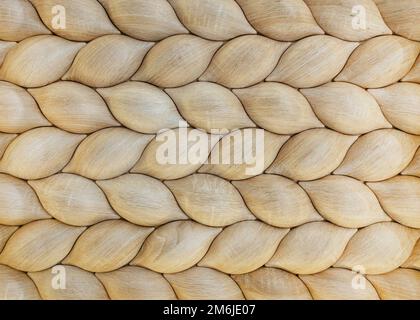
x,y
86,210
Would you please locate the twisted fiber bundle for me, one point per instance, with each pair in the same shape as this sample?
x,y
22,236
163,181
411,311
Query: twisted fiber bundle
x,y
81,113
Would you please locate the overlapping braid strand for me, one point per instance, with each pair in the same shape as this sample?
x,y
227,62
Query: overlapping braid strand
x,y
335,205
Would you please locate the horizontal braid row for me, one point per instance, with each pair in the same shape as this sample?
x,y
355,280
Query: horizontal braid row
x,y
309,155
177,246
210,200
287,20
133,282
134,202
237,63
142,107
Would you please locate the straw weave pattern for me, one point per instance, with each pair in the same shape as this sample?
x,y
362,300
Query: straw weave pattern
x,y
83,110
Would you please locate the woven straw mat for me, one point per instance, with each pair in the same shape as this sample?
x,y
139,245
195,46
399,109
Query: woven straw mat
x,y
324,204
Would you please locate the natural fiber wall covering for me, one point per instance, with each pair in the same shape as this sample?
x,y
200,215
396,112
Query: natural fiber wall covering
x,y
323,204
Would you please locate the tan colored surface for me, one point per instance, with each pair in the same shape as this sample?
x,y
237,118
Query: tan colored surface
x,y
333,212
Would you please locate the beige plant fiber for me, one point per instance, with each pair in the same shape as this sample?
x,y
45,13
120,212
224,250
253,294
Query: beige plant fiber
x,y
85,109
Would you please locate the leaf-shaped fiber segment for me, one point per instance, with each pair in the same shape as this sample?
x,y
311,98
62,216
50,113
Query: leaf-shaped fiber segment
x,y
141,107
5,233
5,140
16,285
413,262
243,154
73,107
400,284
73,199
346,108
243,247
209,200
401,16
339,284
5,47
312,61
278,108
271,284
311,154
380,61
19,20
210,106
311,248
99,63
400,103
244,61
39,60
414,167
285,20
277,201
358,208
177,153
134,283
18,110
39,245
204,284
175,247
344,19
400,198
38,153
379,248
108,153
379,155
141,199
79,284
85,20
414,74
107,246
18,202
176,61
212,19
144,19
